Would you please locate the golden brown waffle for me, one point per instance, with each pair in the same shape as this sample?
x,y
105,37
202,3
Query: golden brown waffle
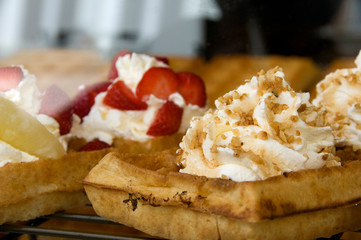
x,y
130,189
27,187
30,185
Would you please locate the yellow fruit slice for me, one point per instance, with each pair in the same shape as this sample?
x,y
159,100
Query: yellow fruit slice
x,y
24,132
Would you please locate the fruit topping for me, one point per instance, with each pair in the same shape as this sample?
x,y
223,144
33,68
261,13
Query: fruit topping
x,y
162,59
121,97
159,81
57,105
113,73
10,78
167,120
192,88
84,100
24,132
94,145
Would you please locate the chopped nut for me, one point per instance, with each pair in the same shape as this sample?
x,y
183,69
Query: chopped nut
x,y
235,95
214,149
262,135
228,111
224,176
294,118
236,142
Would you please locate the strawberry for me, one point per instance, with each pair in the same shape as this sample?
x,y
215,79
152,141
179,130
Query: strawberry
x,y
192,88
167,120
96,144
10,78
113,73
121,97
57,105
159,81
84,100
162,59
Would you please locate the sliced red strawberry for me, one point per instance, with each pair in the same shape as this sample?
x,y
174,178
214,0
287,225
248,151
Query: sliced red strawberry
x,y
57,104
84,100
159,81
192,88
167,120
113,73
162,59
94,145
121,97
10,78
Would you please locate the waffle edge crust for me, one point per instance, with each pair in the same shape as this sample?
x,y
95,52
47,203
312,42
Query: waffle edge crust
x,y
45,186
148,193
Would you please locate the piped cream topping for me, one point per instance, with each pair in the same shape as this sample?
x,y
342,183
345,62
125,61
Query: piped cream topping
x,y
260,130
340,94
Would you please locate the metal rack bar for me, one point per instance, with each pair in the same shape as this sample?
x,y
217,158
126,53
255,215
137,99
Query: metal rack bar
x,y
79,217
60,233
32,228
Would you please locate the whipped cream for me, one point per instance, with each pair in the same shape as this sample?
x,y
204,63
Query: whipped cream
x,y
9,154
28,97
260,130
107,123
340,94
131,68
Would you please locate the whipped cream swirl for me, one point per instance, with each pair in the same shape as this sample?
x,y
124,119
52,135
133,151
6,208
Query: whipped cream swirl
x,y
260,130
340,94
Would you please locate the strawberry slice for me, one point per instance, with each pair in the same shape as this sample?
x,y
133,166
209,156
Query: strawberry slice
x,y
84,100
159,81
192,88
94,145
121,97
113,73
57,105
10,78
167,120
162,59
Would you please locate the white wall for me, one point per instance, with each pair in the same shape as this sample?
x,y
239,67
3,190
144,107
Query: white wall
x,y
154,26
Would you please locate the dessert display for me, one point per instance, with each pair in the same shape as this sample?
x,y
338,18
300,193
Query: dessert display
x,y
50,142
339,93
144,107
262,165
37,175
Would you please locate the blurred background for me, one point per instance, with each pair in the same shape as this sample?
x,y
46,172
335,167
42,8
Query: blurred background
x,y
225,42
321,29
71,42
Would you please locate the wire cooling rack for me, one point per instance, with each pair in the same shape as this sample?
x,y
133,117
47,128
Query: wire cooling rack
x,y
69,225
74,225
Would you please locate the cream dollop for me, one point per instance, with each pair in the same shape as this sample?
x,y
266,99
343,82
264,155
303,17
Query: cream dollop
x,y
28,97
260,130
340,94
131,68
9,154
106,123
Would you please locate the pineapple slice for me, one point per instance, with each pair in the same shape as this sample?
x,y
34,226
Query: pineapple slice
x,y
24,132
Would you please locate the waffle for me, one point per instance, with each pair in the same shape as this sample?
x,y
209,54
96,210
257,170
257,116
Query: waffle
x,y
132,189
